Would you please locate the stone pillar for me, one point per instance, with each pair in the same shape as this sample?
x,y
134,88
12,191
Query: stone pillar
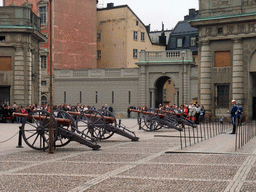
x,y
143,85
39,80
185,76
29,77
153,93
19,77
205,77
237,75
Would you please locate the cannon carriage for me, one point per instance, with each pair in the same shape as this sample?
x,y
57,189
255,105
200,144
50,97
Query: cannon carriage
x,y
155,119
86,128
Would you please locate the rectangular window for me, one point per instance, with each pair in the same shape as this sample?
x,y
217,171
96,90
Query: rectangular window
x,y
220,30
137,23
135,35
179,42
80,96
193,41
113,97
222,59
5,63
135,53
42,14
223,96
98,36
96,97
65,97
2,38
43,62
98,54
129,97
43,83
142,36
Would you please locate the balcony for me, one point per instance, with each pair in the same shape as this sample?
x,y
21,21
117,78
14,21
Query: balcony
x,y
166,56
14,16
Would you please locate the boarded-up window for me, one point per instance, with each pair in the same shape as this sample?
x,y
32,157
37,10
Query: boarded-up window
x,y
222,59
5,64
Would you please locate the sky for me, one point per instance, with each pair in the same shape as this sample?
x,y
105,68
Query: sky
x,y
154,12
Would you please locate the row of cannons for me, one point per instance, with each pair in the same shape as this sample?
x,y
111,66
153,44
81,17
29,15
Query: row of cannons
x,y
90,126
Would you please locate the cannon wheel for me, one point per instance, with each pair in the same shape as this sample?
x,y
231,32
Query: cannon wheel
x,y
60,139
108,132
148,122
35,131
91,124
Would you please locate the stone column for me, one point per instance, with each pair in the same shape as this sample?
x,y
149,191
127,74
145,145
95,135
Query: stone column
x,y
29,77
143,85
237,75
153,93
205,76
19,77
39,80
185,76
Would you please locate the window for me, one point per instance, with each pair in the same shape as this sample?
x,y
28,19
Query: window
x,y
113,97
193,41
223,96
179,42
220,30
2,38
98,36
137,23
43,62
98,54
65,96
129,97
43,83
135,35
42,14
5,63
142,36
222,59
135,53
43,100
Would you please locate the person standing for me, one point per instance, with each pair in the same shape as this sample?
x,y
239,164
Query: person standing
x,y
233,112
239,114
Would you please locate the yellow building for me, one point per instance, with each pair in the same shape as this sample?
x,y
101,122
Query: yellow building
x,y
121,35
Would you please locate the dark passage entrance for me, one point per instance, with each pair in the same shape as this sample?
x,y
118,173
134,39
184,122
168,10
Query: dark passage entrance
x,y
4,95
159,90
254,107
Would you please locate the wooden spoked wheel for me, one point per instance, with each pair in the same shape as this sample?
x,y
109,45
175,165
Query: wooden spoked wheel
x,y
109,133
91,124
35,129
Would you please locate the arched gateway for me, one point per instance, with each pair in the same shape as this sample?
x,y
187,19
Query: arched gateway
x,y
158,70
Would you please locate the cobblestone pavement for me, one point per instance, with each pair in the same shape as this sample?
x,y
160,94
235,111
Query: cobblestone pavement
x,y
151,164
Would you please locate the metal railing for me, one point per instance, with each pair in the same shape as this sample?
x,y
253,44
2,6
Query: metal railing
x,y
204,130
245,131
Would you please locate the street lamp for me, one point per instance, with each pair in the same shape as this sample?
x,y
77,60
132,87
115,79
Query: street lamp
x,y
182,54
51,141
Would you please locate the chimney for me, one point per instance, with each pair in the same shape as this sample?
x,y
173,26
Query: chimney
x,y
148,28
110,5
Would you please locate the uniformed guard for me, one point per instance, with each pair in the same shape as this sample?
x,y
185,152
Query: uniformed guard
x,y
233,113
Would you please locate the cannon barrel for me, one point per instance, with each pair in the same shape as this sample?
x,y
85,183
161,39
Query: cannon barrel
x,y
108,119
65,122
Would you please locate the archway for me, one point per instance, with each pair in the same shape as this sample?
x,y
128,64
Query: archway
x,y
164,91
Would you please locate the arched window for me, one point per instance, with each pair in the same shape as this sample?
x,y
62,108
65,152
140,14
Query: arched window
x,y
43,100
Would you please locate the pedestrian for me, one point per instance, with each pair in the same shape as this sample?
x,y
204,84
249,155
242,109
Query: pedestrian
x,y
239,114
111,109
202,112
129,112
233,112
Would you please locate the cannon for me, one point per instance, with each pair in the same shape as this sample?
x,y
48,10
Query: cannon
x,y
155,119
101,124
35,130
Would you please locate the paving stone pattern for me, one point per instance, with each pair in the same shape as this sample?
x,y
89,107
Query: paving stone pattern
x,y
152,164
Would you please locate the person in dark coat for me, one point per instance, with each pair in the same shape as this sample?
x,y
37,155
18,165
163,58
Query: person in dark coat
x,y
233,112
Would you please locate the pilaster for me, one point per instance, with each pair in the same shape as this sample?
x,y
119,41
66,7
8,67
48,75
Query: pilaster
x,y
142,85
237,74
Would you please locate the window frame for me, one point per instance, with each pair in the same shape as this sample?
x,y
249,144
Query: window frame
x,y
135,35
177,42
135,54
142,36
194,40
98,54
43,19
43,64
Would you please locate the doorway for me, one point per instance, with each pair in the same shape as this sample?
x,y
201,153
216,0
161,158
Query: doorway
x,y
5,95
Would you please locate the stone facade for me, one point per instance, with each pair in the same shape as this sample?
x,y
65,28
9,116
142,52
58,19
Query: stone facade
x,y
127,87
21,45
226,32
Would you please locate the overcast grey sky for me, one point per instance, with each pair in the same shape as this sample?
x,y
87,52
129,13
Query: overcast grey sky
x,y
155,12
